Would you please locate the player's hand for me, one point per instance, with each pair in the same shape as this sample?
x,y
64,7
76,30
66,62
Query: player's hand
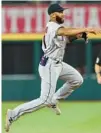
x,y
94,30
91,30
99,79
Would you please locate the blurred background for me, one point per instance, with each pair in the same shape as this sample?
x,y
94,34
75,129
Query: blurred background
x,y
23,24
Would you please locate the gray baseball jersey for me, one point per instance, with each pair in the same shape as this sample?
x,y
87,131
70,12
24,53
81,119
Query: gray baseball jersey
x,y
53,45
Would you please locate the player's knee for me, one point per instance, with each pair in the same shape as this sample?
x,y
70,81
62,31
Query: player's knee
x,y
78,82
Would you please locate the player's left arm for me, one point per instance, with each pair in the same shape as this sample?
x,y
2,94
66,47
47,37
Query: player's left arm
x,y
83,35
77,36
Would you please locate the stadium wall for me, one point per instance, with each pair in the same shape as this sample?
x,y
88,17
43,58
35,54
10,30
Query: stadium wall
x,y
30,89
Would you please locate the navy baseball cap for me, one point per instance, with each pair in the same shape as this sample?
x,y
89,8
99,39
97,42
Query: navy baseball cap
x,y
55,8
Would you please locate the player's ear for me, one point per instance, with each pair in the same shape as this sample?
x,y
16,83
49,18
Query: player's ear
x,y
53,15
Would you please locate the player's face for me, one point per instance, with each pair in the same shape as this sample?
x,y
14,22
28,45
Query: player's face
x,y
59,17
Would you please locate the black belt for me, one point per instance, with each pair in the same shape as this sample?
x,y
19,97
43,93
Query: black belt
x,y
57,62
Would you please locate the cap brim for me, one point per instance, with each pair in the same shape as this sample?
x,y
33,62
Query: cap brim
x,y
65,9
62,9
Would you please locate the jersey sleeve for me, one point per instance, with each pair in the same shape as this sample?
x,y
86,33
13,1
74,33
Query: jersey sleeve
x,y
55,28
98,59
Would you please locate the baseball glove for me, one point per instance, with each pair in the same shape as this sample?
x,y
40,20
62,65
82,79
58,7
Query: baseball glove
x,y
79,36
84,36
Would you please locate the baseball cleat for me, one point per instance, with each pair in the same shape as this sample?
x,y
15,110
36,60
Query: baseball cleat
x,y
55,108
9,120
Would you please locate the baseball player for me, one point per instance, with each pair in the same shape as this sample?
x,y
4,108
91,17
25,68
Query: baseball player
x,y
52,67
98,68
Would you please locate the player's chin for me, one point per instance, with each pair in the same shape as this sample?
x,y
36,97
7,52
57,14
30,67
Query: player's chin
x,y
62,20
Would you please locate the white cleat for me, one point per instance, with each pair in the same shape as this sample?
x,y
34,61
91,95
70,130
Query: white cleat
x,y
55,108
9,120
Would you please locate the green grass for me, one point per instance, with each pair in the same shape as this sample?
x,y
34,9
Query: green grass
x,y
76,117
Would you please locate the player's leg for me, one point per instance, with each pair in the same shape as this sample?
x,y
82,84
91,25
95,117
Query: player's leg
x,y
47,97
27,107
73,80
48,86
55,72
49,77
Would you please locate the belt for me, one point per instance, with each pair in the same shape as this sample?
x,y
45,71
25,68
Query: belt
x,y
55,59
57,62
